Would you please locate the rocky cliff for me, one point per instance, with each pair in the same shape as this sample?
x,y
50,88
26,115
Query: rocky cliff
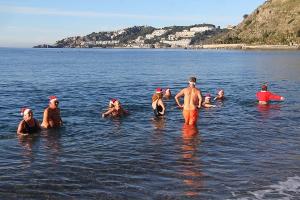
x,y
274,22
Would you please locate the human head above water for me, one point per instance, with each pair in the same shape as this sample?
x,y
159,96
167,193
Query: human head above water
x,y
221,92
26,113
207,97
158,91
264,87
158,94
192,80
53,101
111,103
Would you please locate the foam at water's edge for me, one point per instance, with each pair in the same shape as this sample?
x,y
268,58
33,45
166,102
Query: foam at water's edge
x,y
287,190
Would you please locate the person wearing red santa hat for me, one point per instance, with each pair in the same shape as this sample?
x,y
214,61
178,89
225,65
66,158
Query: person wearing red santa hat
x,y
115,110
52,118
29,124
158,105
207,102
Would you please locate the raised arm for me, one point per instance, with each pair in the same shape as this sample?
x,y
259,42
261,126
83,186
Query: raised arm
x,y
276,97
107,112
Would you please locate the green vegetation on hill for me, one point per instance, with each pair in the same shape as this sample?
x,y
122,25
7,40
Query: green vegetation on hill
x,y
274,22
133,32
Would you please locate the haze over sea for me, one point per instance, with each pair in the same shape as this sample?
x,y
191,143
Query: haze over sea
x,y
237,151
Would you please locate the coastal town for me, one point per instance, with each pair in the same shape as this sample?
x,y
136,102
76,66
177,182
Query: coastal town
x,y
143,37
267,27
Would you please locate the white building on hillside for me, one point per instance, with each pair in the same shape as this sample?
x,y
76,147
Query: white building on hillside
x,y
184,34
171,37
178,43
158,32
203,28
105,42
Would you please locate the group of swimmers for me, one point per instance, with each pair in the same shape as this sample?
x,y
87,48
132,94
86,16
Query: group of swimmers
x,y
192,102
51,118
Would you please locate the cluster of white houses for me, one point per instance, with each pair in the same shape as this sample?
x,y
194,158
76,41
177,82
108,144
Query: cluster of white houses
x,y
179,39
182,38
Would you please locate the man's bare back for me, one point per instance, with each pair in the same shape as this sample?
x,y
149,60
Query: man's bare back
x,y
191,98
192,102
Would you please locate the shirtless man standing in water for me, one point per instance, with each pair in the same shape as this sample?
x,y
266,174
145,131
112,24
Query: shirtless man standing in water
x,y
52,117
192,102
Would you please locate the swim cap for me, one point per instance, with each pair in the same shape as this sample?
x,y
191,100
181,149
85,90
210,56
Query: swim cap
x,y
158,90
25,111
52,98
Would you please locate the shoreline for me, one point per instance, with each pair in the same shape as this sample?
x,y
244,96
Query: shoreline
x,y
205,46
250,47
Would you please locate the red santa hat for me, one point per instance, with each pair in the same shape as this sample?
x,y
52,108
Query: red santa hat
x,y
158,90
52,99
112,101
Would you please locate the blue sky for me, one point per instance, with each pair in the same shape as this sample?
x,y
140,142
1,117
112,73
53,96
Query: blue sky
x,y
24,23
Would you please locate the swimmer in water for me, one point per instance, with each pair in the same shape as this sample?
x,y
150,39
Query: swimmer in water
x,y
157,103
52,117
207,102
115,111
220,96
111,103
192,102
29,124
264,96
167,93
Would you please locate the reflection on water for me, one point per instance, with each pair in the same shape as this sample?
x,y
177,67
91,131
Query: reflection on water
x,y
51,139
191,171
269,110
33,143
28,142
136,155
159,124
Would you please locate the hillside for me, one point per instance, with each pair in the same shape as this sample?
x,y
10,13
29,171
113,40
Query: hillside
x,y
141,37
275,22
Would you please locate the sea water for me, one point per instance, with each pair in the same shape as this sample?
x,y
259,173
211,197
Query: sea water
x,y
238,150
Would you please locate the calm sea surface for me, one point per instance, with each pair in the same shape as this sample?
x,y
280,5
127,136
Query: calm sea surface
x,y
237,151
